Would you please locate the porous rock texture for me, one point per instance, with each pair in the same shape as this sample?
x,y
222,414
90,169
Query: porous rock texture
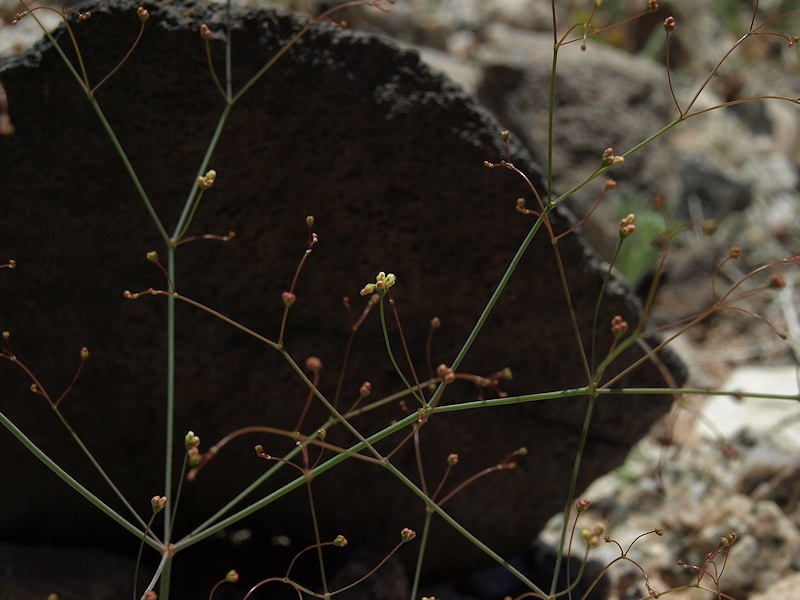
x,y
388,157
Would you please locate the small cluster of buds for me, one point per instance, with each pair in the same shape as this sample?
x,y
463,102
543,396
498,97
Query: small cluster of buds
x,y
192,444
232,576
618,326
446,373
627,226
158,503
382,284
365,389
340,541
652,5
205,32
207,181
592,536
143,13
610,159
582,505
452,459
669,24
407,534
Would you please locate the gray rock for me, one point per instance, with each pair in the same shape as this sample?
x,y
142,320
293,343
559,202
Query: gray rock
x,y
604,97
389,159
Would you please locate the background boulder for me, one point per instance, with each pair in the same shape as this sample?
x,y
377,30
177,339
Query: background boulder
x,y
388,157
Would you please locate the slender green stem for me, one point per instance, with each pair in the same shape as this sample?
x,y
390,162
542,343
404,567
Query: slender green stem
x,y
461,529
573,483
551,118
157,574
512,266
137,184
397,368
193,198
166,576
598,304
423,544
169,433
74,484
101,471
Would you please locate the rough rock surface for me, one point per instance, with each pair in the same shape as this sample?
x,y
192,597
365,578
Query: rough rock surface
x,y
389,159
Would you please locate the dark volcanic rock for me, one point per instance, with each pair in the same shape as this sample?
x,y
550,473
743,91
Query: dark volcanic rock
x,y
389,159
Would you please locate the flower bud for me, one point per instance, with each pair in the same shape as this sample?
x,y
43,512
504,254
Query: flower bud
x,y
288,299
158,503
191,441
627,227
207,181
